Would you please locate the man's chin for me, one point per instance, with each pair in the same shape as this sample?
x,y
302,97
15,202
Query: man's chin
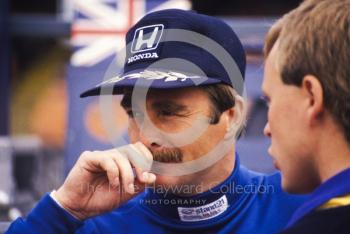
x,y
163,180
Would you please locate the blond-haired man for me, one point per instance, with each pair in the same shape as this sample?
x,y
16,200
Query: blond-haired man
x,y
307,85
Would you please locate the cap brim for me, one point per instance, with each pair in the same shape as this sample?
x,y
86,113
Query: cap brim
x,y
155,79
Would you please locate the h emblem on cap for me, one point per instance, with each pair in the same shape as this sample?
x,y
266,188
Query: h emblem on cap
x,y
140,43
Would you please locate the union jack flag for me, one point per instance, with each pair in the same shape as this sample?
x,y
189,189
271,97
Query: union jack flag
x,y
99,26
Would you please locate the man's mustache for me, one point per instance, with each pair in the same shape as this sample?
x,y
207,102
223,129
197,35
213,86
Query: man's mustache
x,y
168,155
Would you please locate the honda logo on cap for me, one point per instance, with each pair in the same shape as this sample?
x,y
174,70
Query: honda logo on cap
x,y
147,38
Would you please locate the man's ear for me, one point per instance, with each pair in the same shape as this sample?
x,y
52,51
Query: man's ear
x,y
229,118
313,90
235,117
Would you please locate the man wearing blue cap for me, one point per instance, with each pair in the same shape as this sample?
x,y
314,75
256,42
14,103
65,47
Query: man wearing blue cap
x,y
182,87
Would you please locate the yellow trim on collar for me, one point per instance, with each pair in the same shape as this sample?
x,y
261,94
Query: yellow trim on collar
x,y
336,202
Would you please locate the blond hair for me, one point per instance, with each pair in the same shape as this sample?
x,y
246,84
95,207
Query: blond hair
x,y
314,39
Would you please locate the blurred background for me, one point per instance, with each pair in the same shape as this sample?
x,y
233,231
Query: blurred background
x,y
53,50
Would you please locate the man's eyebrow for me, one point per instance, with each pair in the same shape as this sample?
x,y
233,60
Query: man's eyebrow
x,y
169,105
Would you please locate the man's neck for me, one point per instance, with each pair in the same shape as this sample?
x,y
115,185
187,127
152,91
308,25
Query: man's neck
x,y
209,178
333,155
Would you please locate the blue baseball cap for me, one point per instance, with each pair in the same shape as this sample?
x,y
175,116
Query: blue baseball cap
x,y
169,49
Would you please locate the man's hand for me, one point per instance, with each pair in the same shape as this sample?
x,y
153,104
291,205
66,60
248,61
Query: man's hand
x,y
101,181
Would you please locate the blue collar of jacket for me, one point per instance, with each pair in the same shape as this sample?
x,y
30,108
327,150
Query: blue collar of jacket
x,y
167,204
336,186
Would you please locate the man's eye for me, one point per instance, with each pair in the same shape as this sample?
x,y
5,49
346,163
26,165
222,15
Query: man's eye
x,y
166,113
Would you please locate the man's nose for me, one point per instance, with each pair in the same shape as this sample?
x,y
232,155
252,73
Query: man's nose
x,y
267,131
149,135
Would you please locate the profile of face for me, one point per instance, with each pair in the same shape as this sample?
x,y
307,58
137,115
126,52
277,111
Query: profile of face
x,y
170,112
289,128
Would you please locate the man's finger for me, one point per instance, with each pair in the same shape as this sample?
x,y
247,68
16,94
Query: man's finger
x,y
144,176
138,155
125,170
112,172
